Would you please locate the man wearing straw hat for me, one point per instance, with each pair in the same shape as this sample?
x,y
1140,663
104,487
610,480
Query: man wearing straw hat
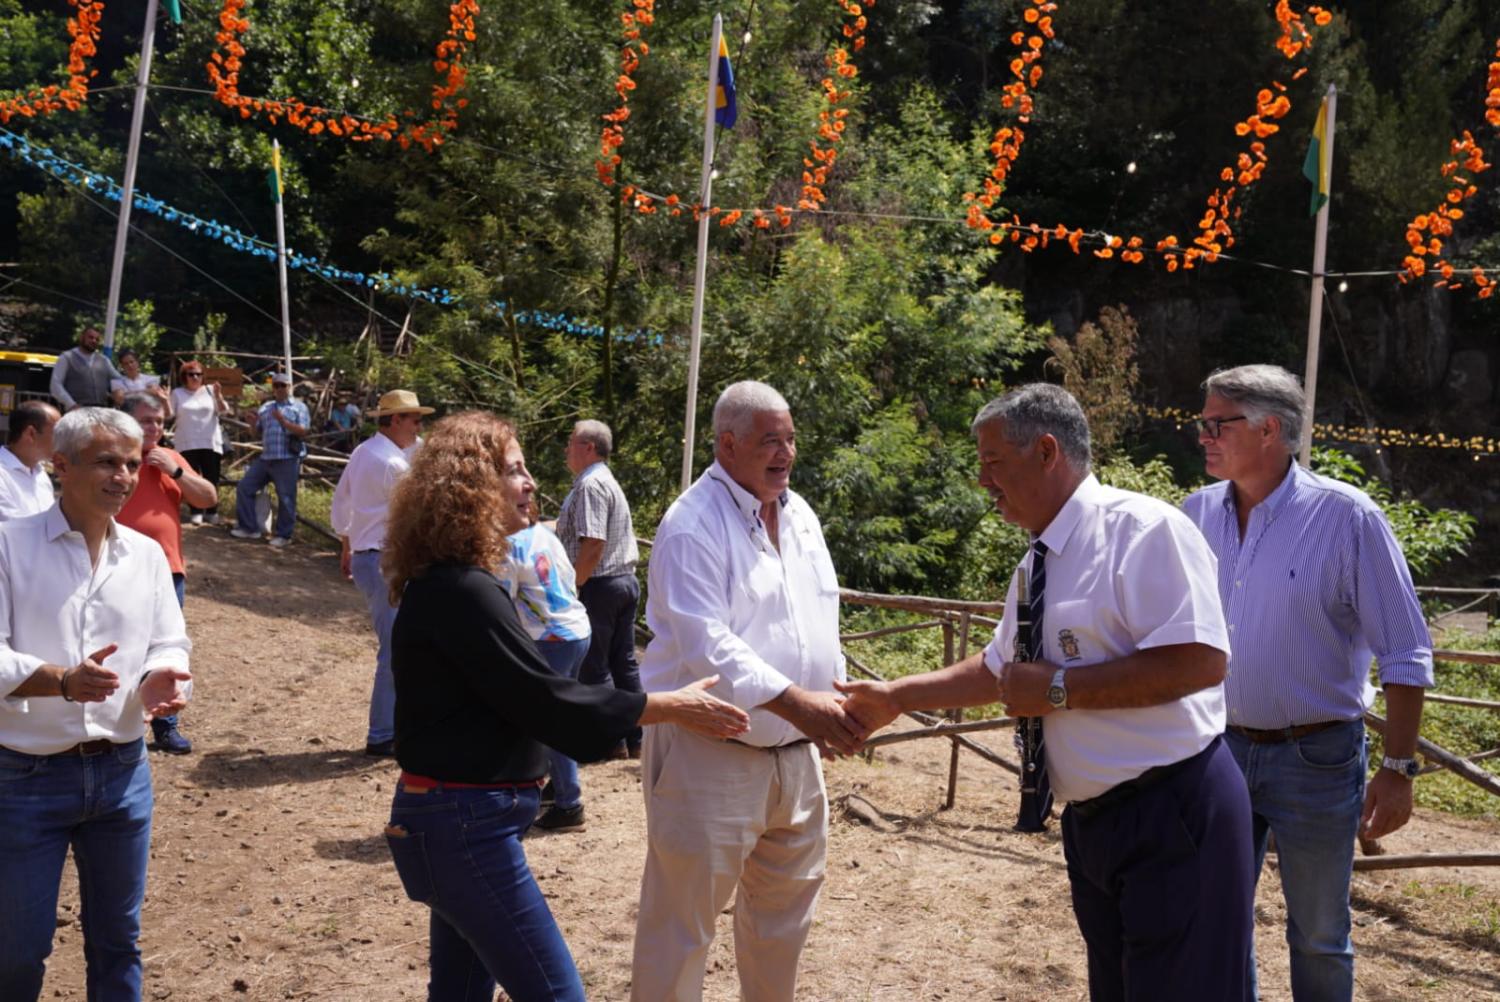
x,y
359,510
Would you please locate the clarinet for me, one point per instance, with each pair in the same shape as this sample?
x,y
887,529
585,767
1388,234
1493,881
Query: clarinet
x,y
1028,729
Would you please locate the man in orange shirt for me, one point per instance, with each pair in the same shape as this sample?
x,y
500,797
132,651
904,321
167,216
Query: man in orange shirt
x,y
166,481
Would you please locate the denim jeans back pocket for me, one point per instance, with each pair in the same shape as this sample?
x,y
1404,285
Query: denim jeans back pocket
x,y
409,850
1338,747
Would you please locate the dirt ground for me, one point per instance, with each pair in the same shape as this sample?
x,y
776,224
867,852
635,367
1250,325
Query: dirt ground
x,y
270,879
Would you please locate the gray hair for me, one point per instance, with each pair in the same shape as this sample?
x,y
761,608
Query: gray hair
x,y
1028,412
737,406
597,434
1263,391
135,401
76,430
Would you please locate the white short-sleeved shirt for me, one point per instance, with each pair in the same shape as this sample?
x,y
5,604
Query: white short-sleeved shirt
x,y
196,420
139,384
1124,572
24,490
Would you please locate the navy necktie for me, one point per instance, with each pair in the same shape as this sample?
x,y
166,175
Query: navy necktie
x,y
1036,789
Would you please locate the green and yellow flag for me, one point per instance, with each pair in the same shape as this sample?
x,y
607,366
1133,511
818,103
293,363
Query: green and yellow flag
x,y
1316,167
274,177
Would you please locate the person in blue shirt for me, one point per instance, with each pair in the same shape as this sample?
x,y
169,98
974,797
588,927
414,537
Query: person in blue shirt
x,y
541,581
1314,588
283,423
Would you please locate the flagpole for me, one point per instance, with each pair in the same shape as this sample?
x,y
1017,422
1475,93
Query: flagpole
x,y
286,315
127,188
700,275
1320,254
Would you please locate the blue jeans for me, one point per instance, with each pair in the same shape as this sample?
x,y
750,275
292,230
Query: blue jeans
x,y
365,566
1309,793
564,657
281,472
611,603
459,852
100,805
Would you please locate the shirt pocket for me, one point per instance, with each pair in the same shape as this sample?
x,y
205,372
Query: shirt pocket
x,y
1069,633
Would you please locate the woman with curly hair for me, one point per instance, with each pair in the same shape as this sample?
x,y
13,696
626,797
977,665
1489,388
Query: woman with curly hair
x,y
476,708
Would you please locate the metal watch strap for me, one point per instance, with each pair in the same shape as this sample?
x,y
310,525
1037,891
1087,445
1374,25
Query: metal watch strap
x,y
1404,766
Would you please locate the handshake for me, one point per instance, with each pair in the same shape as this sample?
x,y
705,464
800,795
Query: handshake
x,y
838,723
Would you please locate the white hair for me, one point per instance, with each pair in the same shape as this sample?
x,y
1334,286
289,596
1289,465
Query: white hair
x,y
597,434
76,430
739,403
135,401
1264,391
1032,410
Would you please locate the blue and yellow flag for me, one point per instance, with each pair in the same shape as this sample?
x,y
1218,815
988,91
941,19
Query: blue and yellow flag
x,y
725,109
1316,167
274,177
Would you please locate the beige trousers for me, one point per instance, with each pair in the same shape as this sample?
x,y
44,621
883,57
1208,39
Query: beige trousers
x,y
720,817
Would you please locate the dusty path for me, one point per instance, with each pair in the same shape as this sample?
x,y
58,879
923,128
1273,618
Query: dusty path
x,y
269,879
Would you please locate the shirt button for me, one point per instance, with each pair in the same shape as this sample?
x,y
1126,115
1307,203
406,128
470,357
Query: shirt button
x,y
1238,583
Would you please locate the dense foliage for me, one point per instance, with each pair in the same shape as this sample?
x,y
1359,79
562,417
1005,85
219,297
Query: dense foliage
x,y
886,322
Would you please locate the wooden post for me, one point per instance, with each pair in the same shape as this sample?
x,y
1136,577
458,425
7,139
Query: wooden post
x,y
957,713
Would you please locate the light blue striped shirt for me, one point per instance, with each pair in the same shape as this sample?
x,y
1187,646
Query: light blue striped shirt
x,y
1317,587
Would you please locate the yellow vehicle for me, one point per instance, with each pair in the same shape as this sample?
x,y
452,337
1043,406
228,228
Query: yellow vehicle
x,y
24,375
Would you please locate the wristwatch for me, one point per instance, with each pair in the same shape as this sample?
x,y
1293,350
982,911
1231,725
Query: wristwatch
x,y
1405,766
177,474
1057,692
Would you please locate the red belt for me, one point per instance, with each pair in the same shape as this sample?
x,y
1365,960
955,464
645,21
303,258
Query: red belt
x,y
412,783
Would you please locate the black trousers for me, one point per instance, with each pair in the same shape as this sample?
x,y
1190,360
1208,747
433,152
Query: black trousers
x,y
206,463
611,603
1164,887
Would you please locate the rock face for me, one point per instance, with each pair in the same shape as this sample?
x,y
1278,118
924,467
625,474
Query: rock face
x,y
1469,377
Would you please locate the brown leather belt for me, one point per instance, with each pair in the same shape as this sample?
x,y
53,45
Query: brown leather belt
x,y
1282,734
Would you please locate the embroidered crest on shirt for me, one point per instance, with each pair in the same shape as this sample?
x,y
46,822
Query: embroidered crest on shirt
x,y
1069,644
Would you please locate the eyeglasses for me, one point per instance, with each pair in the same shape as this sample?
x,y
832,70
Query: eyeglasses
x,y
1214,425
192,374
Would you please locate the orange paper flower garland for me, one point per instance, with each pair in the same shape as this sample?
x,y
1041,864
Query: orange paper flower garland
x,y
1426,232
1215,231
83,26
224,73
821,155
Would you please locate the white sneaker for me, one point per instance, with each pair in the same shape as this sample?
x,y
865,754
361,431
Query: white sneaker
x,y
195,519
213,518
280,541
239,533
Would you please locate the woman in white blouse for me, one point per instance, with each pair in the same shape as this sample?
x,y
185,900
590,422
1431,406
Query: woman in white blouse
x,y
196,434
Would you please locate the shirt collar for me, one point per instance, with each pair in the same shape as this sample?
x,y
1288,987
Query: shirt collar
x,y
587,471
1058,531
56,524
10,459
747,503
1276,499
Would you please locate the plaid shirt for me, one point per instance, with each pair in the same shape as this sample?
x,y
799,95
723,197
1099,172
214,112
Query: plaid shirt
x,y
276,443
596,509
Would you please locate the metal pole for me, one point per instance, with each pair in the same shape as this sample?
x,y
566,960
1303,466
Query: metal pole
x,y
700,274
127,188
1315,308
286,315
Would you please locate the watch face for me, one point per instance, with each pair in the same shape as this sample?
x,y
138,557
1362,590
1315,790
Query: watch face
x,y
1057,695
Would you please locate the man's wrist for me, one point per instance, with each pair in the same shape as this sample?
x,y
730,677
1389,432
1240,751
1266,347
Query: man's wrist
x,y
62,685
1403,766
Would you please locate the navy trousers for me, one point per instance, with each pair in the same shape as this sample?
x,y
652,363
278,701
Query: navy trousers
x,y
611,603
1164,887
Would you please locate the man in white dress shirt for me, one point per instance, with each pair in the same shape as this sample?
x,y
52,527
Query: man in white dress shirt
x,y
91,643
360,504
742,587
1126,666
25,487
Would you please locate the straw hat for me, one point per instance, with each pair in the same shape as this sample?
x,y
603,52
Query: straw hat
x,y
399,402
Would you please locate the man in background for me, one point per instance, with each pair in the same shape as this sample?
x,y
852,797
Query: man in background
x,y
595,527
25,487
81,376
360,505
283,423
